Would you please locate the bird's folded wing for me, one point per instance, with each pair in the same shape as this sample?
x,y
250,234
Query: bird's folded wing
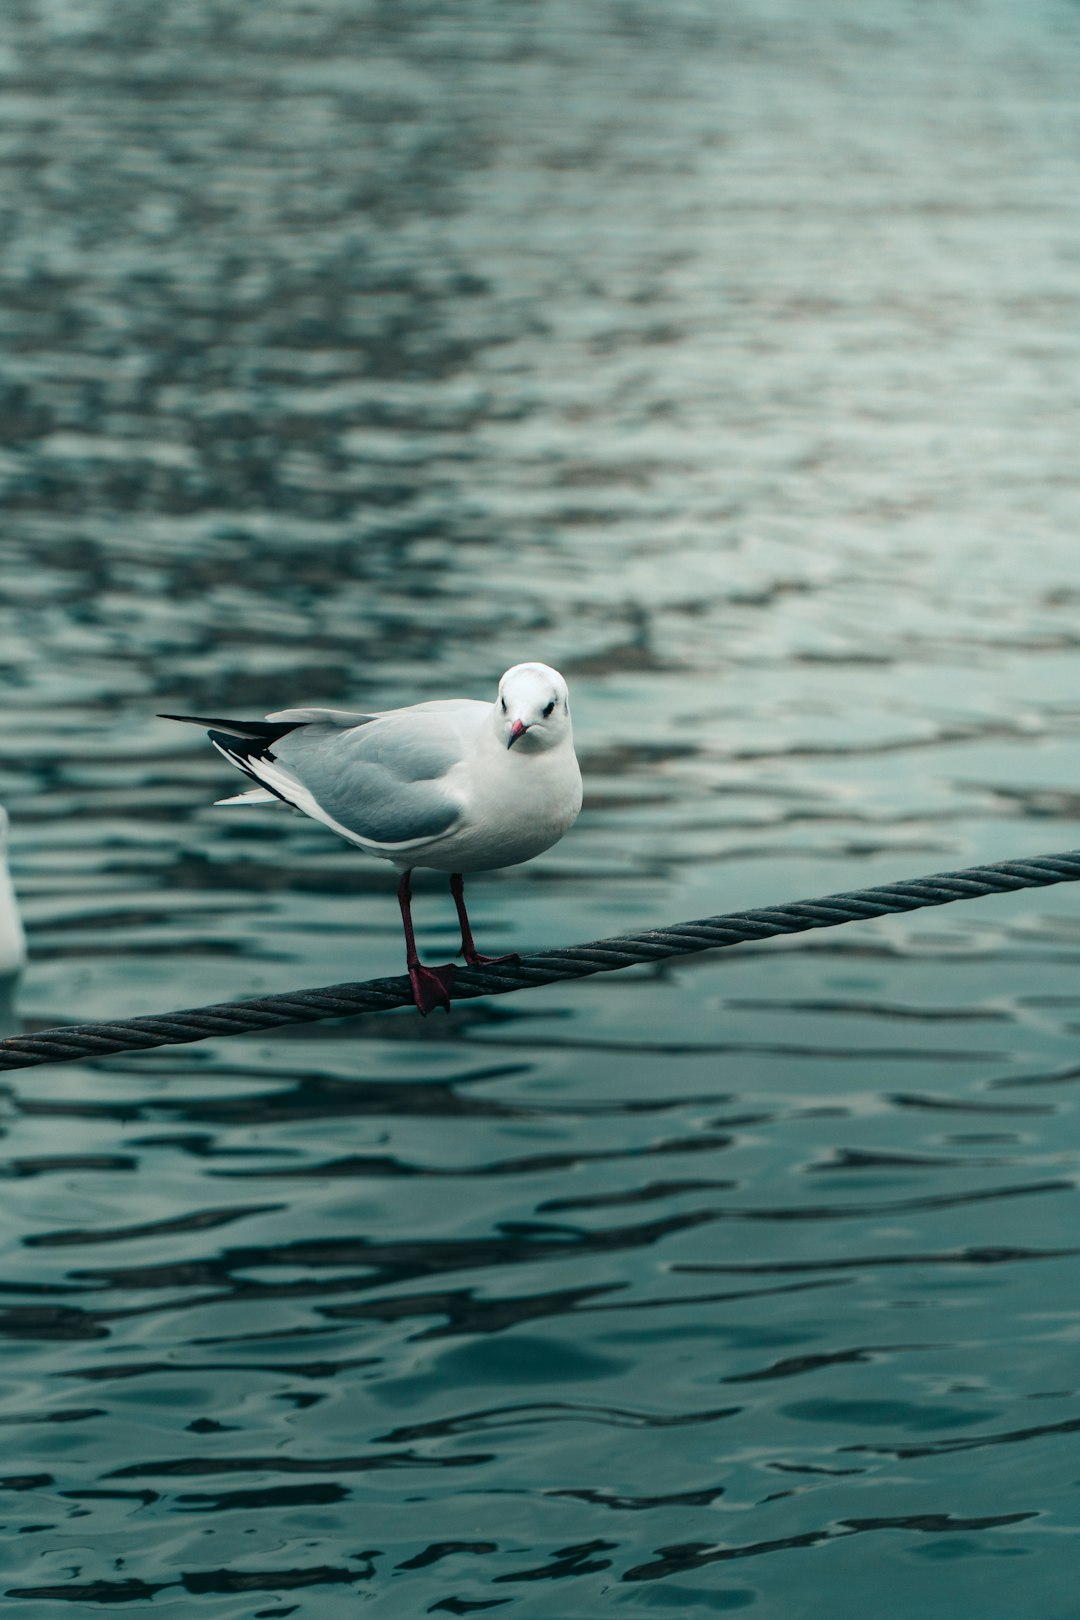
x,y
343,718
385,784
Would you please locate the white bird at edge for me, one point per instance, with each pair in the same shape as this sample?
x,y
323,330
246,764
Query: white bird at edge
x,y
12,938
456,785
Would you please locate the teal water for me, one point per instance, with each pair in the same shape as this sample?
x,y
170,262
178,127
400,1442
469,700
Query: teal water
x,y
725,356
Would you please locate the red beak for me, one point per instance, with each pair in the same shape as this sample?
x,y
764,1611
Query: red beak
x,y
516,730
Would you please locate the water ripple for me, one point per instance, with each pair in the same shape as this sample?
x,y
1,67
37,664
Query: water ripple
x,y
718,357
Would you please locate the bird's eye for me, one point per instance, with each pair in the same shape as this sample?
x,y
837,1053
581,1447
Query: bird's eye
x,y
502,700
549,708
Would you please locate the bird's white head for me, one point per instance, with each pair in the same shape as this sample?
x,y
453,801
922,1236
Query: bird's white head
x,y
532,710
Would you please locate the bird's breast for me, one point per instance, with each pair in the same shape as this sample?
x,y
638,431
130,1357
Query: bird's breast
x,y
512,810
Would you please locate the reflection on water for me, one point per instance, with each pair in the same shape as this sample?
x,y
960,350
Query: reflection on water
x,y
724,357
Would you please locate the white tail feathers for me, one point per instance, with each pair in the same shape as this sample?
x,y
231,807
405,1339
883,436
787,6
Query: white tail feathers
x,y
253,796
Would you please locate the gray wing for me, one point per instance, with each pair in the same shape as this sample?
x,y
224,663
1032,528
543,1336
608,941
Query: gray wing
x,y
331,717
383,781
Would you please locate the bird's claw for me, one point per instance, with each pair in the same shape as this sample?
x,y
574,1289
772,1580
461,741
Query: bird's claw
x,y
478,959
431,986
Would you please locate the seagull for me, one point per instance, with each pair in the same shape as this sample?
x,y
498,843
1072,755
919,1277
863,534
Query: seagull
x,y
454,784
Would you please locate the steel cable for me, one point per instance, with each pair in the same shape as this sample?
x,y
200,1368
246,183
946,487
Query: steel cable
x,y
70,1043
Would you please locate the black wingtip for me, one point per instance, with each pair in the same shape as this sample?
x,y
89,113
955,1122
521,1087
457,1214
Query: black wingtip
x,y
205,720
262,732
239,749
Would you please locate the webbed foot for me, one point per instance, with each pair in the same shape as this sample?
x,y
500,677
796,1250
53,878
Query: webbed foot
x,y
431,986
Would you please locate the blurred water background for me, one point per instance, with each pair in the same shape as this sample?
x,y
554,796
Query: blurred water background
x,y
726,354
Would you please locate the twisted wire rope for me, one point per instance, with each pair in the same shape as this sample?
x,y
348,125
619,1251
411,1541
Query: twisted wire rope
x,y
70,1043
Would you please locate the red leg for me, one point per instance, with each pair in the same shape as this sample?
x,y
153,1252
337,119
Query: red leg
x,y
468,949
431,986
